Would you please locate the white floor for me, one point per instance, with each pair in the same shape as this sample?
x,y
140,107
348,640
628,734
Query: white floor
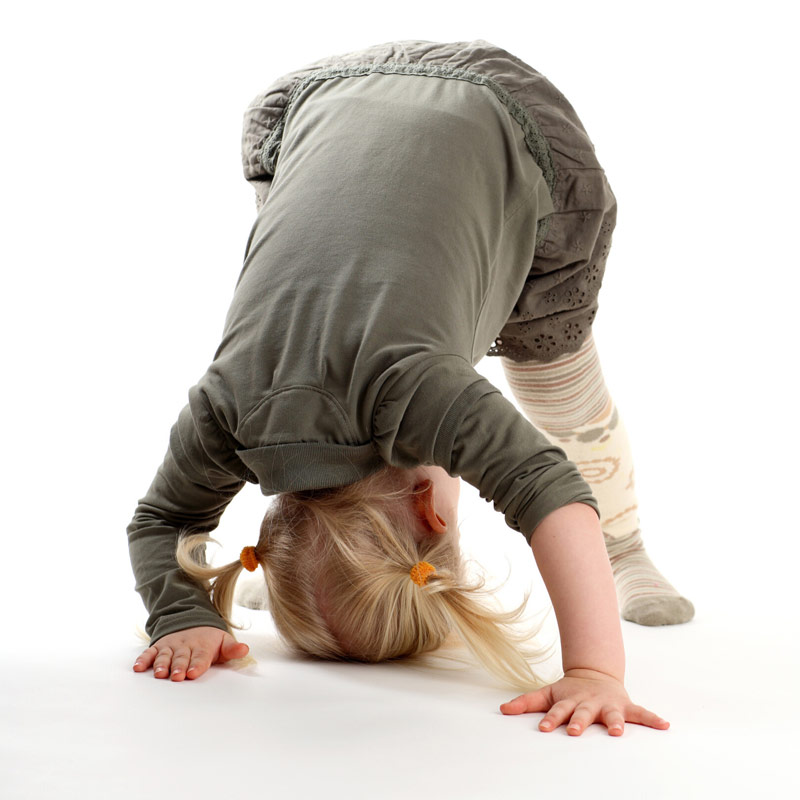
x,y
77,722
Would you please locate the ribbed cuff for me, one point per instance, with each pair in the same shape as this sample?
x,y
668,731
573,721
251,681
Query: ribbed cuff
x,y
550,500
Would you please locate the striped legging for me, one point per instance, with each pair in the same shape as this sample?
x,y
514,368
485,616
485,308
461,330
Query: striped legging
x,y
568,401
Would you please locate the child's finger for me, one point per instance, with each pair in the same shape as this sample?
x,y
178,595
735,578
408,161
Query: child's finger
x,y
162,662
642,716
231,649
580,719
180,660
201,661
144,661
525,703
614,720
561,712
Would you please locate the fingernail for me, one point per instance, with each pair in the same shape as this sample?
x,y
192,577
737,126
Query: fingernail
x,y
545,725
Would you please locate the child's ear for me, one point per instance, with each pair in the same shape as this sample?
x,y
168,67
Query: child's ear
x,y
426,508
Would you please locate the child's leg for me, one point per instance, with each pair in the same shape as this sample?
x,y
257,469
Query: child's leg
x,y
568,401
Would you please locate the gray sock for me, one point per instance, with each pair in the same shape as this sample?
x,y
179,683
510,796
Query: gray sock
x,y
645,596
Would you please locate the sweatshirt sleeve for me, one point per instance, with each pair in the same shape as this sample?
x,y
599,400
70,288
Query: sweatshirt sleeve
x,y
194,484
442,412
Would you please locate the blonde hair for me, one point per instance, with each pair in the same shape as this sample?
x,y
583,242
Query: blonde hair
x,y
337,564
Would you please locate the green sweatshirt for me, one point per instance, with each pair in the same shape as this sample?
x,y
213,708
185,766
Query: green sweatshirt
x,y
397,235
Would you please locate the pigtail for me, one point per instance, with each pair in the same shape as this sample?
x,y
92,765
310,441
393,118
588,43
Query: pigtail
x,y
489,634
219,582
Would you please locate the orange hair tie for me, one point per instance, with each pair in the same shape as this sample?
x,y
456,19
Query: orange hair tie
x,y
420,572
249,559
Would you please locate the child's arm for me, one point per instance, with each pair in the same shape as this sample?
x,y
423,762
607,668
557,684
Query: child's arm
x,y
572,559
570,553
439,410
191,489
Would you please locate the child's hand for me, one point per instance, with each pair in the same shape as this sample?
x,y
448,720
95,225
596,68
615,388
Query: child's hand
x,y
584,696
194,648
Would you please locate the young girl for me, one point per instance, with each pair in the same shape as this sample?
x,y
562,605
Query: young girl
x,y
420,205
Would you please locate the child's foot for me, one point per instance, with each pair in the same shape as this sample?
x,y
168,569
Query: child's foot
x,y
645,595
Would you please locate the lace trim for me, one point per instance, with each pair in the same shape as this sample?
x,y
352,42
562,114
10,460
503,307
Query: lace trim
x,y
547,338
534,138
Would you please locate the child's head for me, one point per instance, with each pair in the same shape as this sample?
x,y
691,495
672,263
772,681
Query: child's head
x,y
338,564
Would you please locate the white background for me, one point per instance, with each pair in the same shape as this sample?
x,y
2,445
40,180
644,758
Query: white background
x,y
124,221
